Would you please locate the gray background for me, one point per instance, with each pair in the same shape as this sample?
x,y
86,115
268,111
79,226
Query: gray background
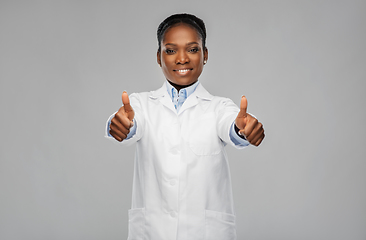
x,y
64,65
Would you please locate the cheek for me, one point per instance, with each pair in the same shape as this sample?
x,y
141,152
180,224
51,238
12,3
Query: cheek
x,y
165,68
198,59
166,61
199,64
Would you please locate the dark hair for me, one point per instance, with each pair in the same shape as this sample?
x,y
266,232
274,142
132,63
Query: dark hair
x,y
184,18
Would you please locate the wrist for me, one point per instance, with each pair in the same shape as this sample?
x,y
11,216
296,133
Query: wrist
x,y
237,130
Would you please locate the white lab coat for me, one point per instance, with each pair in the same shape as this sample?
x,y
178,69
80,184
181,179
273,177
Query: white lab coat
x,y
181,185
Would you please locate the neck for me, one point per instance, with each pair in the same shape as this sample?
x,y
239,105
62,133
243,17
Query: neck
x,y
179,87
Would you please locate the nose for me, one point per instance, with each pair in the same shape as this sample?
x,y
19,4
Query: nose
x,y
182,58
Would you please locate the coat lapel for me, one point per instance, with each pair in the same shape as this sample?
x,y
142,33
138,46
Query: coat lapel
x,y
162,95
200,95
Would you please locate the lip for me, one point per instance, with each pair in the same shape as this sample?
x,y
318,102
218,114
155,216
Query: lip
x,y
183,71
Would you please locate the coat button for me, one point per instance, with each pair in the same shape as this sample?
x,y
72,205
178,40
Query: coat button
x,y
173,182
173,214
174,151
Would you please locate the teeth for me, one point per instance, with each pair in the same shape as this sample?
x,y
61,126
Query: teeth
x,y
183,70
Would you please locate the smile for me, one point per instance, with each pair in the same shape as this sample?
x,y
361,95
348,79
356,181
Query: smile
x,y
183,70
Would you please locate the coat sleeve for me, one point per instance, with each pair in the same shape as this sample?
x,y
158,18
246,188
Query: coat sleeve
x,y
139,121
226,113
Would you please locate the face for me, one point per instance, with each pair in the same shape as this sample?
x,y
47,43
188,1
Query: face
x,y
182,55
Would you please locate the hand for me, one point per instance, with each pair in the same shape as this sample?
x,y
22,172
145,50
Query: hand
x,y
249,126
122,120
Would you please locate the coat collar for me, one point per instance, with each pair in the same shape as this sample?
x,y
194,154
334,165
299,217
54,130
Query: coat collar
x,y
200,92
163,96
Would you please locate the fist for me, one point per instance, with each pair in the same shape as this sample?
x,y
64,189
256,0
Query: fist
x,y
249,127
122,120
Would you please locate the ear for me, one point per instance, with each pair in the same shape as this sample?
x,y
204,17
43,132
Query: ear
x,y
158,59
205,55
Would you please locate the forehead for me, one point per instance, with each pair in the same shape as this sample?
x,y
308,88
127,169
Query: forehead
x,y
181,33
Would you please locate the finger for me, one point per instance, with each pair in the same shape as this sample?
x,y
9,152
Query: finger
x,y
243,107
241,132
256,135
119,132
118,136
260,140
119,139
126,102
119,127
257,129
122,117
250,126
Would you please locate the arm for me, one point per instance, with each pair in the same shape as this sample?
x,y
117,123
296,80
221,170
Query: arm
x,y
122,121
236,138
238,128
129,135
249,126
135,126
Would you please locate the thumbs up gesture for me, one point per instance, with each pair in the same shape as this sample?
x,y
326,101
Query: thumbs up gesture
x,y
249,127
122,120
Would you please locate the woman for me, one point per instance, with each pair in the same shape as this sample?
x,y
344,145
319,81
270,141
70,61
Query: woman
x,y
181,185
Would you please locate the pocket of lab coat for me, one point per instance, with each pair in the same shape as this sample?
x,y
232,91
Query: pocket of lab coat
x,y
136,224
219,226
203,140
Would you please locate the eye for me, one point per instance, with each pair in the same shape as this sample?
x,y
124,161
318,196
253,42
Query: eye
x,y
169,51
193,50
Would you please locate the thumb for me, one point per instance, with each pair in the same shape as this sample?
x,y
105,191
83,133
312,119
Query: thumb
x,y
243,107
126,102
127,107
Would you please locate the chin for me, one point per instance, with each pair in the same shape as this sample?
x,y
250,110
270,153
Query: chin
x,y
184,83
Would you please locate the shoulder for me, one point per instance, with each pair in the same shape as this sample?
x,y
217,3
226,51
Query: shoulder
x,y
143,97
213,103
204,94
152,94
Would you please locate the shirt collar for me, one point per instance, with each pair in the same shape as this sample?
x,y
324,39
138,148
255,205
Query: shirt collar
x,y
200,92
186,91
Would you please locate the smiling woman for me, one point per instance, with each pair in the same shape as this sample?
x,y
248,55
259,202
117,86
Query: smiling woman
x,y
182,185
182,55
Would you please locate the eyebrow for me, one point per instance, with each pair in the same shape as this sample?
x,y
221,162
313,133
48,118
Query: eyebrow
x,y
190,43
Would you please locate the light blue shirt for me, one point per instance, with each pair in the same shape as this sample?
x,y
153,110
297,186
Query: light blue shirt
x,y
178,98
